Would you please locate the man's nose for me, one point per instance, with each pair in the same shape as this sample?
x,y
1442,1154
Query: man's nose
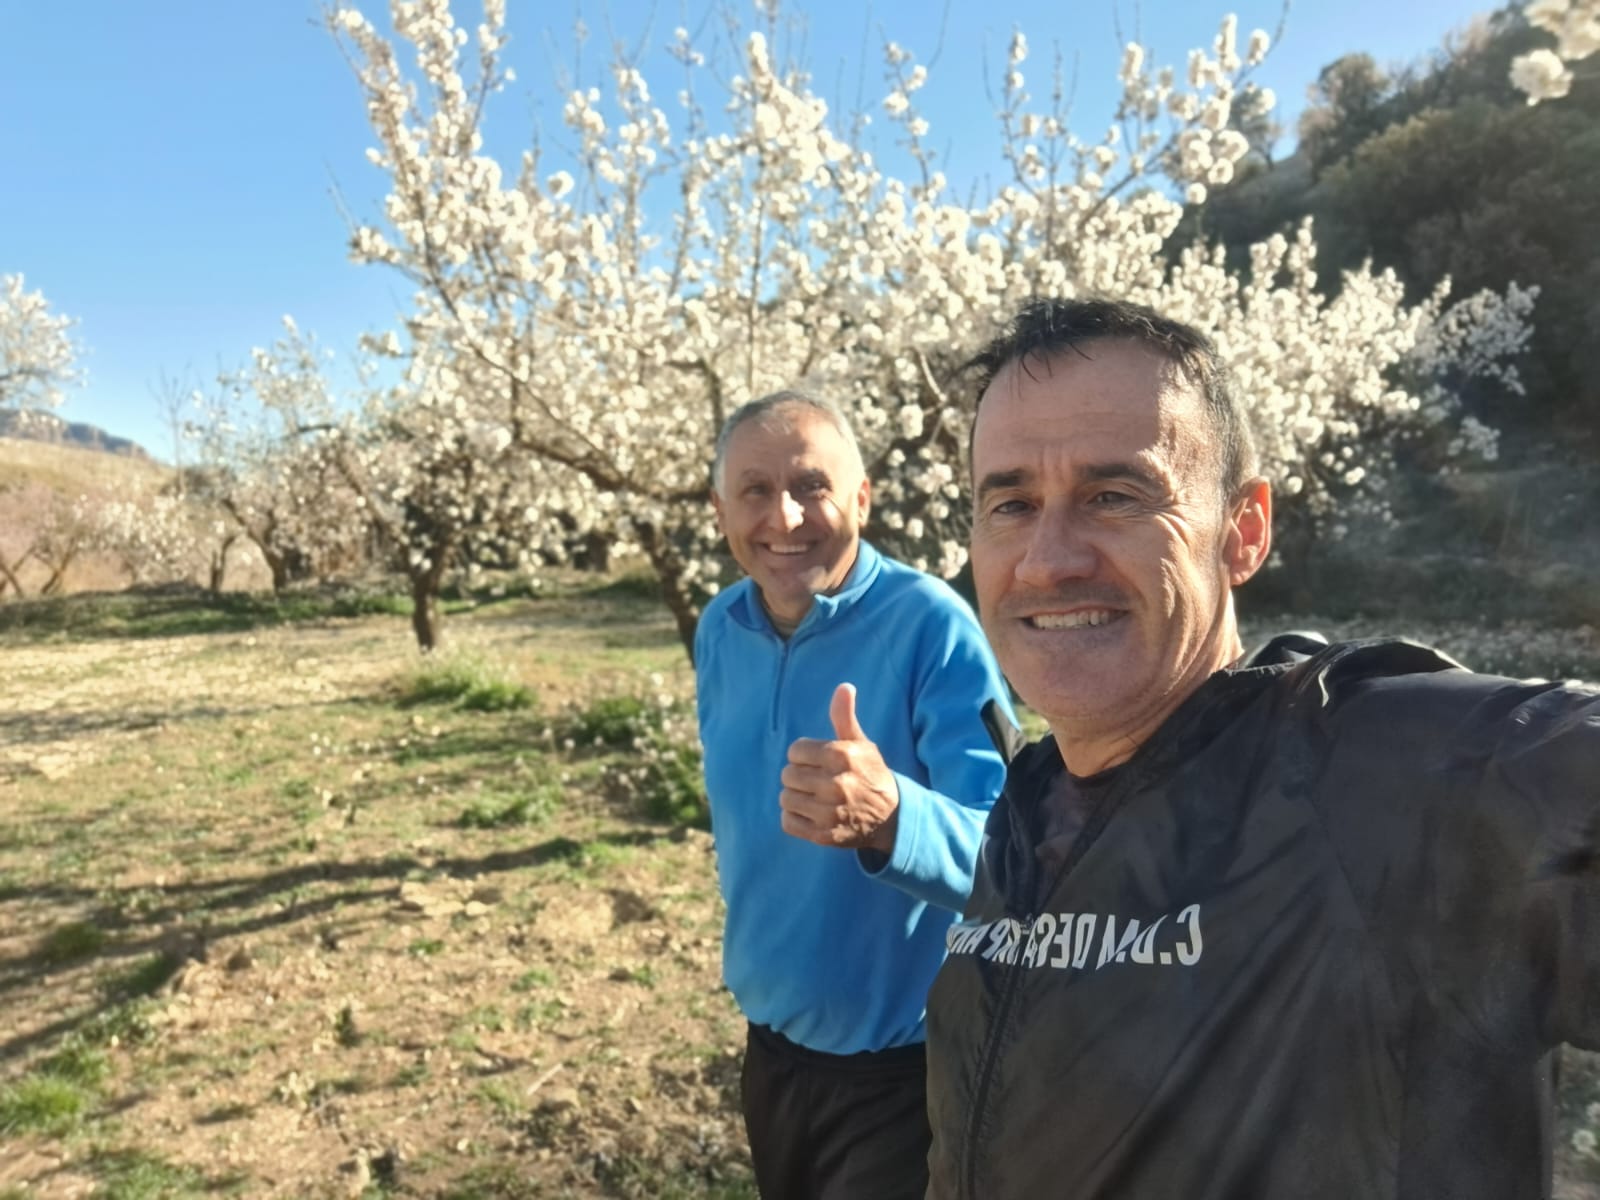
x,y
790,514
1060,547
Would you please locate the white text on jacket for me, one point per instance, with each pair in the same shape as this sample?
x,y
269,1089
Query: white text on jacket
x,y
1068,940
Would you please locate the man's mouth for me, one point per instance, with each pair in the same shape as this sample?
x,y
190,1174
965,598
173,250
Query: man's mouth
x,y
786,548
1083,618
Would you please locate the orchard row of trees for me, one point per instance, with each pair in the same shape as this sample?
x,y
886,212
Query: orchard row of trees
x,y
579,330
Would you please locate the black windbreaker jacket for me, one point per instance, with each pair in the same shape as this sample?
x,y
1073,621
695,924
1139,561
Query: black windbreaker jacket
x,y
1317,940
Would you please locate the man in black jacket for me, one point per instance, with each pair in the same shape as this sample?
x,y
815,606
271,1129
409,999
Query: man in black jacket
x,y
1305,925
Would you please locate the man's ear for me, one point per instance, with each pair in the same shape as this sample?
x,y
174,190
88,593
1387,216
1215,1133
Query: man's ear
x,y
1247,537
716,506
864,500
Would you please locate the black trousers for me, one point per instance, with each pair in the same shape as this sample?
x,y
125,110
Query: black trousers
x,y
835,1127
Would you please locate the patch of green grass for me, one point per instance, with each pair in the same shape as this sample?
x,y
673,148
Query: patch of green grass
x,y
145,977
494,1181
296,789
71,943
487,1017
123,1024
345,1029
495,811
534,977
600,855
137,1175
507,1105
634,1176
466,681
77,1062
43,1104
411,1074
175,611
540,1014
425,947
630,585
610,721
670,784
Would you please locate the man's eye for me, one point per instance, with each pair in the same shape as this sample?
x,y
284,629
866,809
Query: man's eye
x,y
1008,508
1105,499
756,489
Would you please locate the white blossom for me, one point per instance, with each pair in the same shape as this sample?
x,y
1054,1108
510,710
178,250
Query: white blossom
x,y
37,351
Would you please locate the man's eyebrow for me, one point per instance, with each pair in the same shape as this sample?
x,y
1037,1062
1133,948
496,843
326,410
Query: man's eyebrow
x,y
1126,471
996,481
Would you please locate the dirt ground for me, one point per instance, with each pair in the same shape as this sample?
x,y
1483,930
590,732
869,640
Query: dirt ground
x,y
306,975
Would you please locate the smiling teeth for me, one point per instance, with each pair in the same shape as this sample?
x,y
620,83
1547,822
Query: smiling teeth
x,y
788,549
1073,620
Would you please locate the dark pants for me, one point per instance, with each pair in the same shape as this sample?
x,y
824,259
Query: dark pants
x,y
835,1127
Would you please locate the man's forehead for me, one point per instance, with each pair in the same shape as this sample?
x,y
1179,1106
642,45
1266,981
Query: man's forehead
x,y
795,429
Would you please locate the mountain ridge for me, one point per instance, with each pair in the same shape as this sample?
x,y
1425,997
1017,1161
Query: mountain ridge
x,y
38,425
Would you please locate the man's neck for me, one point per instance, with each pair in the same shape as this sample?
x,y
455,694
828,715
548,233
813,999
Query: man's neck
x,y
782,625
1089,747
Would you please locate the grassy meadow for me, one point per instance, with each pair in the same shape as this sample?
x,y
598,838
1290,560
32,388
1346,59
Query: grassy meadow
x,y
288,911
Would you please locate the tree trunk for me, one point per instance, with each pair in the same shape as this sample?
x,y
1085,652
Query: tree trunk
x,y
668,566
9,571
58,575
277,563
425,618
597,552
219,565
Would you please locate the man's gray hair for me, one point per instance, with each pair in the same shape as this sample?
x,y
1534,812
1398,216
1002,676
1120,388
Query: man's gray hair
x,y
756,410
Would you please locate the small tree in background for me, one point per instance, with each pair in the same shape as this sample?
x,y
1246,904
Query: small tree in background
x,y
37,352
265,448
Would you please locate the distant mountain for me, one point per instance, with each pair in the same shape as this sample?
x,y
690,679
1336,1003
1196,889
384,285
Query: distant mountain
x,y
37,425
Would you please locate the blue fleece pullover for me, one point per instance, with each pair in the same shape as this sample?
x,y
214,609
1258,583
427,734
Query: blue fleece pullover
x,y
836,950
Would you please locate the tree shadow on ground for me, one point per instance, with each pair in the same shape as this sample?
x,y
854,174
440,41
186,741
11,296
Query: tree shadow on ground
x,y
225,905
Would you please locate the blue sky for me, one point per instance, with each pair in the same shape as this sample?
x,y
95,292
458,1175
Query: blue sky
x,y
169,165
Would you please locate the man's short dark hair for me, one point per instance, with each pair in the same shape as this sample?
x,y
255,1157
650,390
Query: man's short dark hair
x,y
1044,329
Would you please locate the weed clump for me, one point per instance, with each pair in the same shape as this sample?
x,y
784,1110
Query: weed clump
x,y
42,1103
532,807
466,681
71,943
660,773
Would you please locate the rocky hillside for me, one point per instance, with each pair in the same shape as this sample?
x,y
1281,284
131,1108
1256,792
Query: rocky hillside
x,y
35,425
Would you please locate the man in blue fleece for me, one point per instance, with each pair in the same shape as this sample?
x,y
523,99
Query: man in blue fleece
x,y
841,698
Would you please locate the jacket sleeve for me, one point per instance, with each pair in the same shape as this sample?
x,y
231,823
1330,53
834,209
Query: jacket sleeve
x,y
1545,770
1477,834
941,820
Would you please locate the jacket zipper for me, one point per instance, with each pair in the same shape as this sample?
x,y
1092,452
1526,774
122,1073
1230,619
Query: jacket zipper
x,y
777,692
1015,970
991,1060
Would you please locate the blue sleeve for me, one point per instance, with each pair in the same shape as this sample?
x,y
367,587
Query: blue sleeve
x,y
941,821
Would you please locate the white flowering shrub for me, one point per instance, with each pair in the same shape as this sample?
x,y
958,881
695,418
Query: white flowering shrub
x,y
1546,74
602,321
37,351
265,452
161,537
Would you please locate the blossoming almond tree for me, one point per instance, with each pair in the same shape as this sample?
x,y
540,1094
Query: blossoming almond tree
x,y
266,459
37,351
603,321
1546,74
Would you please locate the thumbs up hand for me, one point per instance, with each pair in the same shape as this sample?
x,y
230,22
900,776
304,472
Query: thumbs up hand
x,y
840,792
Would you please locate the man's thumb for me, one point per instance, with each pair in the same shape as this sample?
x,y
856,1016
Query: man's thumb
x,y
843,713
